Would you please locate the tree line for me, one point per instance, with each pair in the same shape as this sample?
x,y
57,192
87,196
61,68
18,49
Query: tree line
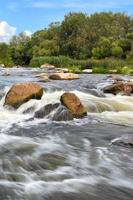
x,y
78,36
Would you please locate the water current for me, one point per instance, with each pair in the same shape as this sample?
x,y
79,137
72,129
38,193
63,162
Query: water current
x,y
41,159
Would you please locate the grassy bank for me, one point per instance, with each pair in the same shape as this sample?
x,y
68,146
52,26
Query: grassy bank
x,y
106,65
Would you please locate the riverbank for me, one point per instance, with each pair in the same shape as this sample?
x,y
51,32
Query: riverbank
x,y
101,66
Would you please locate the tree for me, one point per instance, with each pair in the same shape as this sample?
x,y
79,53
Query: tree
x,y
20,49
73,35
5,57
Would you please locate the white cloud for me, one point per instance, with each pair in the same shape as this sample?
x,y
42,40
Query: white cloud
x,y
6,31
28,33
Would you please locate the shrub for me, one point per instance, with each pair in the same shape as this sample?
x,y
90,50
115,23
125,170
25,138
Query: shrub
x,y
117,51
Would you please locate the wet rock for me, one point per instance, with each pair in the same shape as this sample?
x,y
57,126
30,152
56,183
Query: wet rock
x,y
123,142
23,92
87,71
74,105
96,93
65,70
2,65
6,74
29,110
62,114
117,78
44,111
47,66
121,87
43,77
63,76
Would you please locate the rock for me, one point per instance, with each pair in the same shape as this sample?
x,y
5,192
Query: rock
x,y
44,111
62,114
117,78
2,65
87,71
65,70
63,76
29,110
47,66
125,142
73,103
23,92
6,74
95,92
44,77
121,87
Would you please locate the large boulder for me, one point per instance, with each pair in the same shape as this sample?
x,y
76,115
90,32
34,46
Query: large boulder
x,y
63,76
73,103
23,92
125,88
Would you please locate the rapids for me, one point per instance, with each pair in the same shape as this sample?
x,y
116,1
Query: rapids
x,y
76,160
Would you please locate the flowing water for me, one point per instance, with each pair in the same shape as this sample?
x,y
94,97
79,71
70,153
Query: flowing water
x,y
77,160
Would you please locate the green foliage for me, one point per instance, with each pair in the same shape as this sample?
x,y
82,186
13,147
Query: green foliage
x,y
5,57
117,51
58,61
126,70
20,49
79,41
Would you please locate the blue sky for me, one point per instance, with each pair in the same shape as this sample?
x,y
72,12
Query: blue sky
x,y
30,15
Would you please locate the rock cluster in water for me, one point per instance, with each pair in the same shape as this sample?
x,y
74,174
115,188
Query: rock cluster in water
x,y
70,106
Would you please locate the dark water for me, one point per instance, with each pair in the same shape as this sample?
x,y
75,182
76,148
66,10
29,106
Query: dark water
x,y
45,160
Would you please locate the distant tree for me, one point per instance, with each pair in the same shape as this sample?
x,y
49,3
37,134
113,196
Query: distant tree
x,y
73,35
20,49
5,57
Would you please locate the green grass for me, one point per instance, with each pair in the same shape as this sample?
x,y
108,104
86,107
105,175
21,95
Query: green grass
x,y
76,66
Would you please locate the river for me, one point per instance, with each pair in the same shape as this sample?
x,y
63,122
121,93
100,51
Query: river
x,y
77,160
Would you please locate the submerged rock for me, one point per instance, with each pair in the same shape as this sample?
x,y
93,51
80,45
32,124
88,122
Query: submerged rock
x,y
62,114
123,142
74,105
23,92
63,76
6,74
95,92
46,110
43,77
